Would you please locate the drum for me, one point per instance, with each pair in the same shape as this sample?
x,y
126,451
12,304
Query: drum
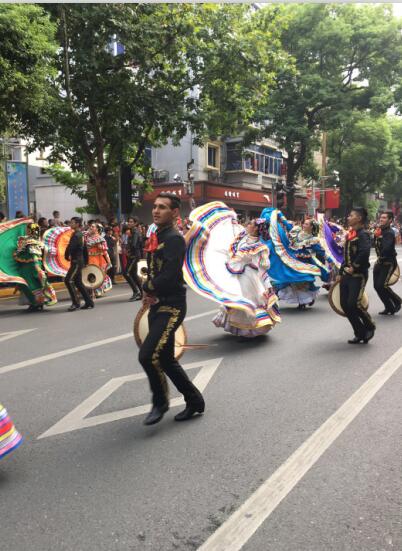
x,y
142,270
396,274
334,299
92,276
141,331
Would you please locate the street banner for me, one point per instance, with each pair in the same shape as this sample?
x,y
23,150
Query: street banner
x,y
17,188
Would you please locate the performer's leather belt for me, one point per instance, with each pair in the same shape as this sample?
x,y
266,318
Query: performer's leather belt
x,y
172,299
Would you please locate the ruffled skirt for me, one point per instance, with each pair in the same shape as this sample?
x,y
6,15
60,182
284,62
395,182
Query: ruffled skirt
x,y
10,438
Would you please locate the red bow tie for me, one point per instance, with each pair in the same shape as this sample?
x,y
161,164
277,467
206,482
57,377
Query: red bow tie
x,y
352,234
151,244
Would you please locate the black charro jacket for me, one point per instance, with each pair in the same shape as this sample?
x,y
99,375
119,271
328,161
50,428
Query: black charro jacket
x,y
357,253
76,250
385,246
165,266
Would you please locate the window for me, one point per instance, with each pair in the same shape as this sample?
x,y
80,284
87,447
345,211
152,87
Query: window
x,y
213,156
233,156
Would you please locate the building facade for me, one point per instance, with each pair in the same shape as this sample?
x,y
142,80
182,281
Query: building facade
x,y
242,177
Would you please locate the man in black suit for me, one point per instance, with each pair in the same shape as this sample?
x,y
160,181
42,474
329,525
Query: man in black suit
x,y
354,275
165,294
384,242
76,252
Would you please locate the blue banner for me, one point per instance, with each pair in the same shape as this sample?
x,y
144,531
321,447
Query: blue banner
x,y
17,188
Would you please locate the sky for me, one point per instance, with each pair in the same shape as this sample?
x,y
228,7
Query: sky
x,y
397,7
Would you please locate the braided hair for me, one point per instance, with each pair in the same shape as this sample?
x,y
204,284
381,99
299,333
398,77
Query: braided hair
x,y
263,228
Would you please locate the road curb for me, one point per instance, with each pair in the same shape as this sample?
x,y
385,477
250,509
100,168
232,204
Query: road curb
x,y
10,292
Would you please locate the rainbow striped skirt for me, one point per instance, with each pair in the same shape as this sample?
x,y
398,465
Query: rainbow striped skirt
x,y
10,438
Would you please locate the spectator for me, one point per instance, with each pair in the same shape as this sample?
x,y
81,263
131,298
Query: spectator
x,y
56,218
19,214
43,225
111,247
2,217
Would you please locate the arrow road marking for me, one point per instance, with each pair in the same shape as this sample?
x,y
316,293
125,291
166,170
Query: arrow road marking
x,y
13,334
77,419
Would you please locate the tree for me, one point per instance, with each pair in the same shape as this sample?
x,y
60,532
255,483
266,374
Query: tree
x,y
364,153
347,57
179,67
27,50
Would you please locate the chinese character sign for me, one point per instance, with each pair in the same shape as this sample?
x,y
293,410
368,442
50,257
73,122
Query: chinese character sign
x,y
17,188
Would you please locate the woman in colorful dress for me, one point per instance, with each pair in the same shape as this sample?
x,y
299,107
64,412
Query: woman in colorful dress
x,y
29,258
98,256
297,258
10,438
228,264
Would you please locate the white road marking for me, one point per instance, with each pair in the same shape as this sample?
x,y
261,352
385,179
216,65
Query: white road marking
x,y
77,419
13,334
64,304
81,348
234,533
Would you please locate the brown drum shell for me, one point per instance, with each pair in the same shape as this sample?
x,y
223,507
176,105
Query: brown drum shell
x,y
140,331
92,276
396,274
334,299
142,270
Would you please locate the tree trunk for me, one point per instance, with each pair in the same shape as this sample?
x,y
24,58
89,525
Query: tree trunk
x,y
290,194
102,199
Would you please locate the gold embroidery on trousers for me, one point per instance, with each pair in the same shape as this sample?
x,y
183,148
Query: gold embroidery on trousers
x,y
162,342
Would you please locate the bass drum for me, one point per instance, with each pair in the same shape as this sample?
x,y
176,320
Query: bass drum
x,y
396,274
92,276
334,299
141,330
142,270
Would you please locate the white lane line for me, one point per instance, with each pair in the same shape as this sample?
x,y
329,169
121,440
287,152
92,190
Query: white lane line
x,y
75,349
243,523
64,304
13,334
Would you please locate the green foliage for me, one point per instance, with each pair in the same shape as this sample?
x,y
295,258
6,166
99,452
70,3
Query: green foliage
x,y
347,57
364,153
27,49
202,67
372,207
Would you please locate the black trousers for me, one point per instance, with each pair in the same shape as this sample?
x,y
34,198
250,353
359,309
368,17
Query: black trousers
x,y
382,272
112,271
73,281
157,355
131,276
351,291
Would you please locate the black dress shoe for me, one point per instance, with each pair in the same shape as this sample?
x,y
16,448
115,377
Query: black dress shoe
x,y
356,340
87,306
189,411
74,307
136,296
155,415
386,313
301,307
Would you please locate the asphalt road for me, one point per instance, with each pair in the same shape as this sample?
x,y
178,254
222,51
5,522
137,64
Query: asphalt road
x,y
95,479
